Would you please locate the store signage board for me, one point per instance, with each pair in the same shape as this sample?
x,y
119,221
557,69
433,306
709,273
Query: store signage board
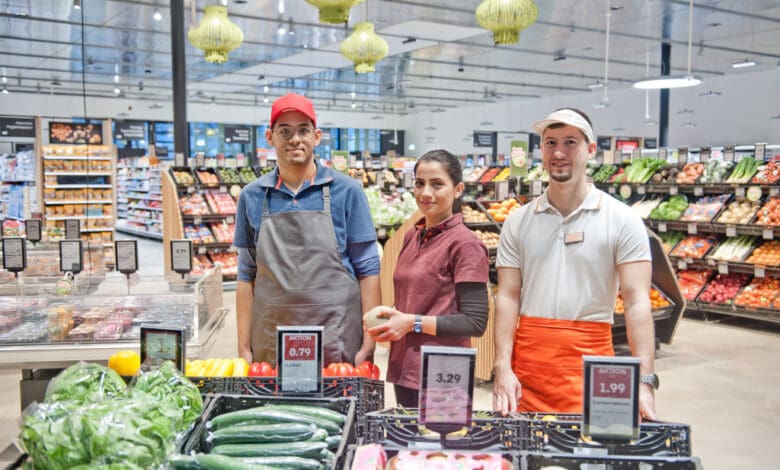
x,y
181,256
518,158
651,143
130,130
17,127
238,134
484,139
611,398
682,155
299,358
604,143
75,133
760,151
163,344
71,259
73,229
32,230
340,161
728,153
14,254
446,386
705,154
126,252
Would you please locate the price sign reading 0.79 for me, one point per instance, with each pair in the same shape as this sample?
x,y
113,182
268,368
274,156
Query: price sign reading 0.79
x,y
299,358
299,347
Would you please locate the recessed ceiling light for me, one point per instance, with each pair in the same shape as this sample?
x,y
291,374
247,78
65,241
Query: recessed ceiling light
x,y
667,82
5,90
117,90
77,4
265,99
157,15
596,84
353,105
744,64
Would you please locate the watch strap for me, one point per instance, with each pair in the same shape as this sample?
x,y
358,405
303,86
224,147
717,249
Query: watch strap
x,y
417,324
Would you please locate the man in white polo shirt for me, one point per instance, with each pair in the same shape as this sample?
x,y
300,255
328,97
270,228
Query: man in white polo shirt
x,y
561,260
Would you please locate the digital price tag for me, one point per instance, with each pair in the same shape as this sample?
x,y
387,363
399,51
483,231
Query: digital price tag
x,y
446,386
126,252
611,398
612,190
480,187
682,265
71,256
223,189
197,221
502,190
163,344
774,191
663,153
768,234
190,189
202,250
723,268
230,219
693,229
32,230
673,190
299,358
408,179
760,272
740,191
731,231
14,254
728,153
706,153
641,190
181,256
536,187
662,227
760,151
73,229
682,155
698,191
689,261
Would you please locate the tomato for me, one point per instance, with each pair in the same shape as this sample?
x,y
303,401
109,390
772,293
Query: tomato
x,y
345,369
261,369
363,370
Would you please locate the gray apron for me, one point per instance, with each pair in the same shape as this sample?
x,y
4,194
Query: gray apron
x,y
301,281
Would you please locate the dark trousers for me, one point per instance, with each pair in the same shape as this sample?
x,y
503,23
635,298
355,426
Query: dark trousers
x,y
406,397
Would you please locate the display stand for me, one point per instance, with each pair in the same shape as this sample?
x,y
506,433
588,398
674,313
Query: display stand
x,y
139,197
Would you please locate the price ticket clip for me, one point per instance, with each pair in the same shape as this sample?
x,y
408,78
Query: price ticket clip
x,y
181,256
126,254
14,255
299,353
610,398
71,257
446,388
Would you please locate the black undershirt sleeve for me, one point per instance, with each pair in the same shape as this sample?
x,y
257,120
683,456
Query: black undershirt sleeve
x,y
472,318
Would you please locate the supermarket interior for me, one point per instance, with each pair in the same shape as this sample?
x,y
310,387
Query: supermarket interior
x,y
130,128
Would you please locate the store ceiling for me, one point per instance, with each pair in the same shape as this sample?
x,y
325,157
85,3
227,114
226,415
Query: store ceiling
x,y
439,56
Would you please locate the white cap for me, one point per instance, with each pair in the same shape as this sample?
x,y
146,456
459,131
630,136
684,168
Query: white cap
x,y
568,117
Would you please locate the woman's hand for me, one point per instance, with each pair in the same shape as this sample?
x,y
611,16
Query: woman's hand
x,y
398,324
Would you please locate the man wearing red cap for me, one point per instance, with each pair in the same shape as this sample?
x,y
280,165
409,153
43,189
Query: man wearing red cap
x,y
561,260
306,245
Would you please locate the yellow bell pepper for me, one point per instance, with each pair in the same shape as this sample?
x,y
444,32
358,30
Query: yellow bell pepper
x,y
240,367
225,368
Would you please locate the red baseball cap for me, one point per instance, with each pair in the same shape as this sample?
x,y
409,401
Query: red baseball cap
x,y
293,102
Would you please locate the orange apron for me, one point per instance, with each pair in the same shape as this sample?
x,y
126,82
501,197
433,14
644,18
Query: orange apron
x,y
547,359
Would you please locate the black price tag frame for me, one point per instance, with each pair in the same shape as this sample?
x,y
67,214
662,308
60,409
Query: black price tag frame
x,y
73,229
313,383
32,226
589,428
427,353
10,264
175,266
120,265
70,244
166,337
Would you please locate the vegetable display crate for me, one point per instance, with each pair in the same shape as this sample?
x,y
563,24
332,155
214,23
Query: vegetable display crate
x,y
488,431
614,462
560,433
368,393
219,404
512,460
214,385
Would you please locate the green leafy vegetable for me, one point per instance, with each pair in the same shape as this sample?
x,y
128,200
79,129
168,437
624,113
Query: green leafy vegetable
x,y
85,383
178,398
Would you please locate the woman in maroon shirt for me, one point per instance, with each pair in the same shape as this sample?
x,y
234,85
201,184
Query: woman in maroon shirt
x,y
440,279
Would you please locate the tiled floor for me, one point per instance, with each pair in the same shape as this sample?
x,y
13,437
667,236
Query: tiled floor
x,y
721,378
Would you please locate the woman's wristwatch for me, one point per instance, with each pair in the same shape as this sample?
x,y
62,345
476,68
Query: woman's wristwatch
x,y
650,379
417,324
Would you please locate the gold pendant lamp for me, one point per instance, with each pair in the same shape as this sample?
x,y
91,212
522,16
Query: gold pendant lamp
x,y
364,47
216,35
506,18
334,11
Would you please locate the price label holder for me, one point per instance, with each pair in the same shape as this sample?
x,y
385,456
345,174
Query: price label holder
x,y
706,153
190,189
682,265
693,229
202,250
663,153
760,151
71,259
673,190
380,179
446,388
14,255
480,188
32,230
223,189
641,190
774,191
723,268
408,179
740,191
768,234
126,254
181,256
612,190
759,272
731,231
163,344
299,358
197,221
682,155
73,229
698,191
230,219
728,153
611,398
502,190
662,227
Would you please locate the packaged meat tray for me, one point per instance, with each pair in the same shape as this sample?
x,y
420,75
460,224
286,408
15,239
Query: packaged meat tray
x,y
207,177
221,203
199,234
223,232
193,204
108,330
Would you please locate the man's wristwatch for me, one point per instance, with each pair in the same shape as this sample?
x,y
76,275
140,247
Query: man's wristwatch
x,y
650,379
417,324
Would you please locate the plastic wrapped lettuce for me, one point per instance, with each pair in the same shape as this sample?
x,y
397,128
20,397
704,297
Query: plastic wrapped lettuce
x,y
85,383
178,398
390,209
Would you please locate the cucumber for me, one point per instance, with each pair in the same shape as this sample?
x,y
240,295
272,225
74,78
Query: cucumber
x,y
291,463
280,432
268,416
322,413
333,442
281,449
222,462
319,435
183,462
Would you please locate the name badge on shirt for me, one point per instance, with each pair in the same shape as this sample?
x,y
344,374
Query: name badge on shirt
x,y
573,237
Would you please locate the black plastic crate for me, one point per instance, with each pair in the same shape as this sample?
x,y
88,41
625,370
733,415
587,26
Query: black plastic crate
x,y
488,431
220,404
393,451
561,433
613,462
214,385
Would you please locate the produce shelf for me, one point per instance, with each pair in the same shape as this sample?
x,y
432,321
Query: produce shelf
x,y
539,461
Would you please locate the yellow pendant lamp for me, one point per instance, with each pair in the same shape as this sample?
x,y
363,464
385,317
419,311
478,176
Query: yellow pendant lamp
x,y
506,18
364,47
334,11
216,35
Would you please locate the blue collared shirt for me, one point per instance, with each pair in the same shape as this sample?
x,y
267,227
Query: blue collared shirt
x,y
355,233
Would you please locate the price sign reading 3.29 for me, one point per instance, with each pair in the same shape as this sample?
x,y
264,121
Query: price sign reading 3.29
x,y
447,386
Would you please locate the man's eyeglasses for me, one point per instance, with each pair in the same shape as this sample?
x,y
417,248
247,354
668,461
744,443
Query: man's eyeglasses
x,y
287,133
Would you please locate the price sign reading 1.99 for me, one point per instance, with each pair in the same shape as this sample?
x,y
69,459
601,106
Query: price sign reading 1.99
x,y
611,406
299,351
447,385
